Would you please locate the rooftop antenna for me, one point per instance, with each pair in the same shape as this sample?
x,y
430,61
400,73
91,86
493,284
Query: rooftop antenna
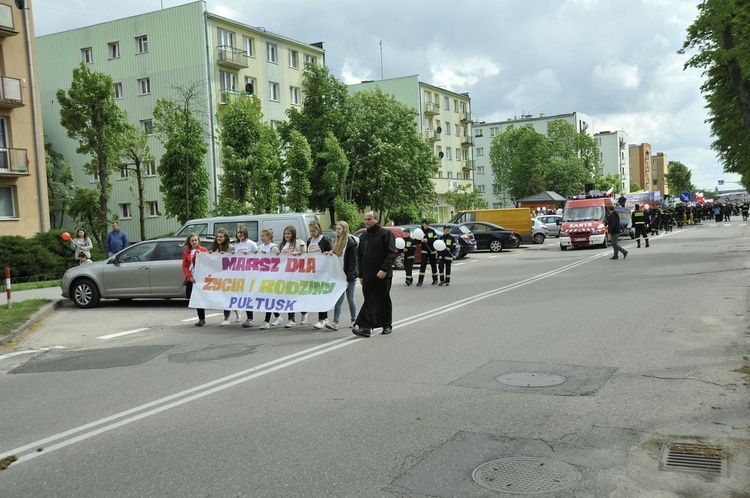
x,y
381,59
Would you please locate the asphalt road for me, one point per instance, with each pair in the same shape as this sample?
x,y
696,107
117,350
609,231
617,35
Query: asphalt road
x,y
570,369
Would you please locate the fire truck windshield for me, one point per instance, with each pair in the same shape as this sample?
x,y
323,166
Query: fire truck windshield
x,y
589,213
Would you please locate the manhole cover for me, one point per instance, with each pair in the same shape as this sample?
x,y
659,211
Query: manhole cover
x,y
527,379
525,475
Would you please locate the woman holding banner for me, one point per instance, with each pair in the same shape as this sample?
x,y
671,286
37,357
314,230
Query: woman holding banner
x,y
222,244
345,247
292,246
319,243
192,247
267,246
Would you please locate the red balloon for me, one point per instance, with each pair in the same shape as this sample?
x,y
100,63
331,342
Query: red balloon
x,y
65,236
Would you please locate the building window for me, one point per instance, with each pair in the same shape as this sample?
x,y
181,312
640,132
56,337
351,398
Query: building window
x,y
149,168
458,131
494,131
8,202
273,89
227,81
462,106
272,52
480,188
310,59
94,177
249,80
448,154
479,151
447,128
125,211
225,38
293,59
294,95
144,86
153,208
455,105
249,45
141,45
450,174
118,90
439,151
113,49
124,172
147,126
87,55
447,103
478,133
480,170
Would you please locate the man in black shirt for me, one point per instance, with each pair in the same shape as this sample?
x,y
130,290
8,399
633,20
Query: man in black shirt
x,y
377,251
613,227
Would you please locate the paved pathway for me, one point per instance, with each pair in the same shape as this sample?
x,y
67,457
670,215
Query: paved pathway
x,y
53,293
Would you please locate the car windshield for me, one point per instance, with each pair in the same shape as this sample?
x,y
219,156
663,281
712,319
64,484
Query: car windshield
x,y
589,213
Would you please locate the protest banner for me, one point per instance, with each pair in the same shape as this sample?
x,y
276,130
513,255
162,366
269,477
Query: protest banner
x,y
281,283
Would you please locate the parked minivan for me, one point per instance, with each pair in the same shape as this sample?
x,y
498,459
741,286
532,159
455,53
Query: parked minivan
x,y
206,227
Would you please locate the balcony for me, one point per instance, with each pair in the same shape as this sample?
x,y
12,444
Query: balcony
x,y
465,117
223,93
467,142
6,21
231,57
431,136
10,93
14,162
431,108
467,165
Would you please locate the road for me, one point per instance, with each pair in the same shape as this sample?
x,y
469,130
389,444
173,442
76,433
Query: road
x,y
535,357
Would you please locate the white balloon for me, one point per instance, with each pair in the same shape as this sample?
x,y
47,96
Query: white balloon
x,y
417,234
439,245
400,244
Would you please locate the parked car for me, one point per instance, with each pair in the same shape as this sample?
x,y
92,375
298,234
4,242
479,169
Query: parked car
x,y
397,232
539,231
552,222
491,236
466,241
148,269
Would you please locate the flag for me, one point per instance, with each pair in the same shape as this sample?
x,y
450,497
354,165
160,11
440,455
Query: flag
x,y
610,192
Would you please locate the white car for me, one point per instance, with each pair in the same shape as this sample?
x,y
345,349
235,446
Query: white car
x,y
539,231
551,222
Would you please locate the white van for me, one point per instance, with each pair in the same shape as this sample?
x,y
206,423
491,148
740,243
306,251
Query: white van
x,y
206,227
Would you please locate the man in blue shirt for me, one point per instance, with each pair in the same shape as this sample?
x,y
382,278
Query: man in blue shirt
x,y
116,241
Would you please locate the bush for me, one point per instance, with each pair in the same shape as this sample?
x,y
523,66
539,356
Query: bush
x,y
45,256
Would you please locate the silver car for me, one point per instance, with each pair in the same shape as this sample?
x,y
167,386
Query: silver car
x,y
539,231
550,221
148,269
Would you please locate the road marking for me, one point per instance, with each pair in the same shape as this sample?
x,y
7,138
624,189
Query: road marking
x,y
29,351
195,318
120,334
86,431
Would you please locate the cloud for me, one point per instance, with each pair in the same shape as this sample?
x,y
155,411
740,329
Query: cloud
x,y
616,74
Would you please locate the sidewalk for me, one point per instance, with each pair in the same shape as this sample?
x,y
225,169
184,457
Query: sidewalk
x,y
54,294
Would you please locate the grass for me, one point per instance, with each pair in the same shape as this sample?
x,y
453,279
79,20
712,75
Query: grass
x,y
12,318
43,284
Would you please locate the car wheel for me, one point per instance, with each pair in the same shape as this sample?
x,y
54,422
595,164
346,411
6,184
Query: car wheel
x,y
496,245
604,244
538,238
85,294
563,248
518,241
399,263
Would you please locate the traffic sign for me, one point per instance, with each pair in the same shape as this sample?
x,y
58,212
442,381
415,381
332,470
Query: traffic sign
x,y
686,197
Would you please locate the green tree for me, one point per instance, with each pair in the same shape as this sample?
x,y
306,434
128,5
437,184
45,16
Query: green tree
x,y
182,171
137,153
391,166
84,208
604,183
567,143
720,37
240,135
466,197
324,111
518,157
298,165
59,185
678,178
268,179
90,114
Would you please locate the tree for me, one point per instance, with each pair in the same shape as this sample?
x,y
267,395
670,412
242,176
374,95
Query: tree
x,y
90,114
324,111
182,171
391,166
59,185
604,183
268,179
466,197
678,178
84,208
240,135
720,37
335,178
298,165
137,153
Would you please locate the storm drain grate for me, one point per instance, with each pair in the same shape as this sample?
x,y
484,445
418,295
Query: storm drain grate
x,y
685,457
525,475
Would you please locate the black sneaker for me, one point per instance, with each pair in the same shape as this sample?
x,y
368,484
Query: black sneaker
x,y
419,284
361,332
387,330
434,282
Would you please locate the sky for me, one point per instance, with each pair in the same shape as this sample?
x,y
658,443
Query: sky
x,y
614,60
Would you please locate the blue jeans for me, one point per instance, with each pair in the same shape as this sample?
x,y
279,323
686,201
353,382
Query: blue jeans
x,y
349,294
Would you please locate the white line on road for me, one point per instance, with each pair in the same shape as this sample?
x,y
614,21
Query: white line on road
x,y
120,334
29,351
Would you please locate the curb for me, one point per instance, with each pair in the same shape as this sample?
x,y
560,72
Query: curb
x,y
51,306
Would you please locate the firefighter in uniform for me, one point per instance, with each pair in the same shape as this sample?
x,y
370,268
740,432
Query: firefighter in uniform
x,y
640,223
408,252
428,253
445,257
744,209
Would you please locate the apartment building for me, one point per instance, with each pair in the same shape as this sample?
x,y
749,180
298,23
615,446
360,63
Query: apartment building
x,y
24,208
659,170
148,57
484,177
614,156
640,165
444,120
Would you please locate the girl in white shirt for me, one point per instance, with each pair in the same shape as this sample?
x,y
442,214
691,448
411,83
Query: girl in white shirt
x,y
268,248
243,245
292,246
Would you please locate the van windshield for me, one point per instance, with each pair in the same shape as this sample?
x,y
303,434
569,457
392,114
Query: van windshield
x,y
588,213
199,228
